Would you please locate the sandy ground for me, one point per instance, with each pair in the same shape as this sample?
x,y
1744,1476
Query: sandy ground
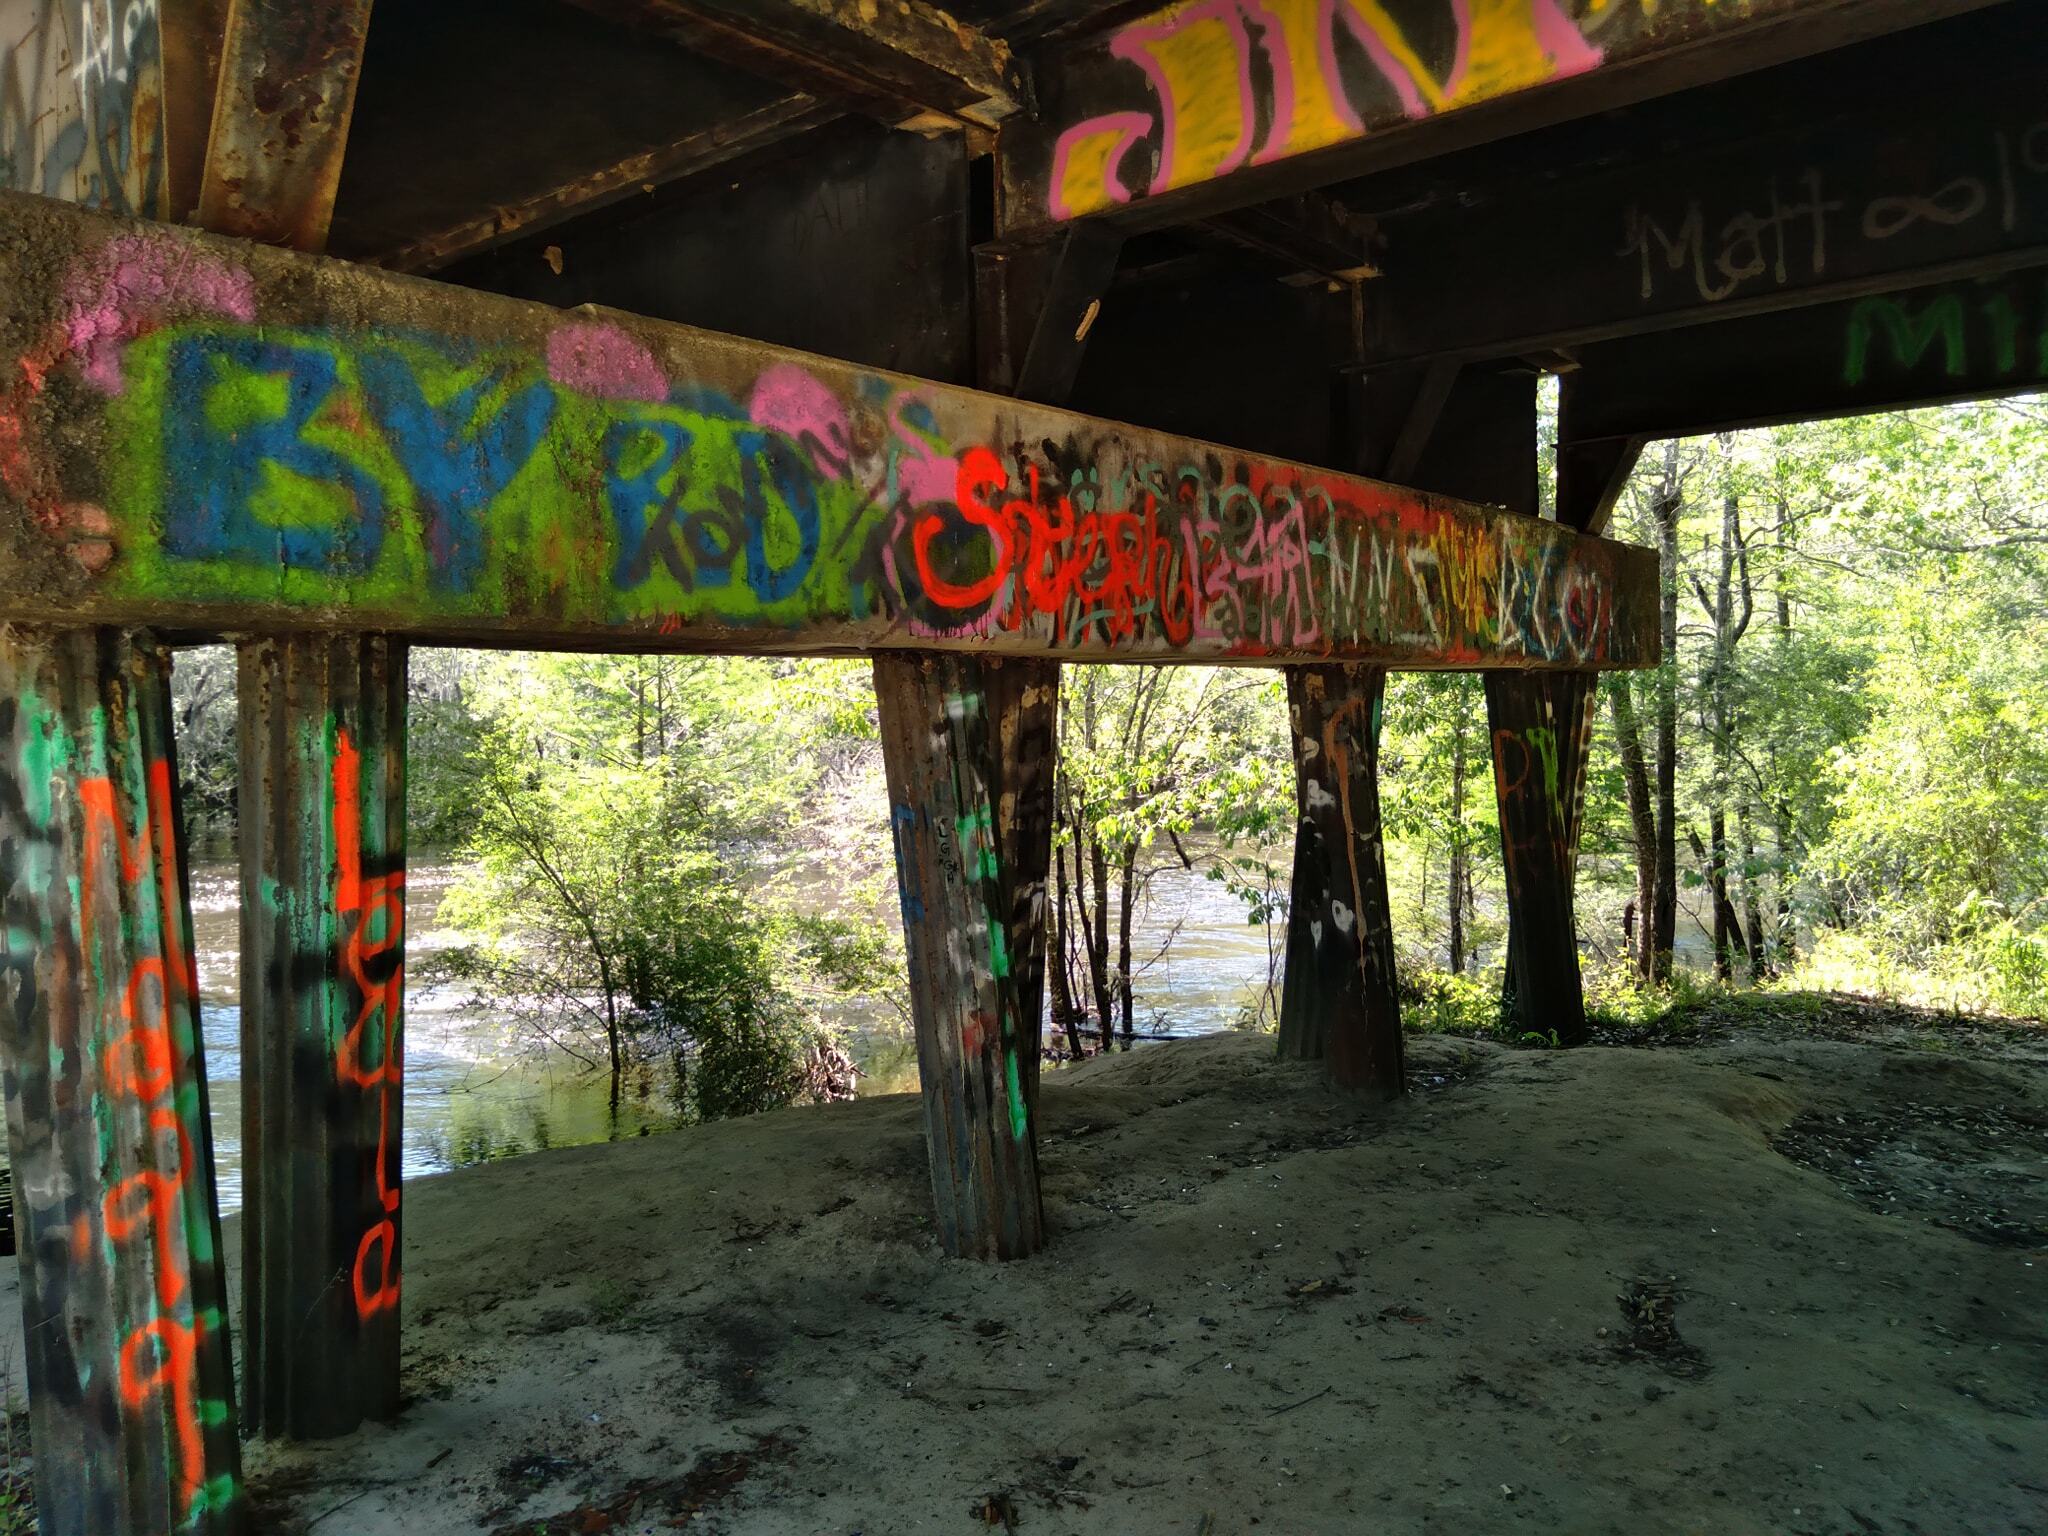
x,y
1578,1291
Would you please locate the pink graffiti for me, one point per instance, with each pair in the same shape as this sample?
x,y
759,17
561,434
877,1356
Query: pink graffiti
x,y
605,361
788,400
1145,45
1237,82
923,473
793,402
135,283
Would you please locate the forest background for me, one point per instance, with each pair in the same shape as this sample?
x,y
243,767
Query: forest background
x,y
1837,783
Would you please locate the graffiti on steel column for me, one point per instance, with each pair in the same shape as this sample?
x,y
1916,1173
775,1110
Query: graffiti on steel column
x,y
81,102
370,1058
1232,83
112,959
1526,763
432,478
1336,748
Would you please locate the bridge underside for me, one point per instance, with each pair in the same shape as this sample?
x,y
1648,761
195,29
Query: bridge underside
x,y
920,336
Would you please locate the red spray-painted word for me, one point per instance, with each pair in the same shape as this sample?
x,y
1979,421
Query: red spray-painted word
x,y
1180,561
160,1358
377,906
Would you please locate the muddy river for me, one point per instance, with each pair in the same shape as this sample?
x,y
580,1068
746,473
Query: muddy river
x,y
475,1090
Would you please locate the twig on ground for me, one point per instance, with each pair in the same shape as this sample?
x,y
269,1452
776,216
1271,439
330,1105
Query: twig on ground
x,y
1276,1412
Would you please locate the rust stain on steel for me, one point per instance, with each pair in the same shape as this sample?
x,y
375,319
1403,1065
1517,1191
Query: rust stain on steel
x,y
892,61
280,121
221,436
636,173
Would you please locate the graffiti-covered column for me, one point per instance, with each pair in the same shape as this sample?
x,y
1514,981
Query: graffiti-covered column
x,y
1339,1002
1034,306
945,721
1023,695
1541,725
124,1305
322,809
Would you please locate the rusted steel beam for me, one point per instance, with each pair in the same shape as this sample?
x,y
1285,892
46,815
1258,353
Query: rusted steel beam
x,y
1307,237
1338,1002
946,723
280,121
194,35
322,813
124,1304
636,174
1037,303
218,436
1542,731
1202,108
894,61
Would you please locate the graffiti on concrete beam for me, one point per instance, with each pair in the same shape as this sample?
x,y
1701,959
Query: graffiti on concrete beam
x,y
251,456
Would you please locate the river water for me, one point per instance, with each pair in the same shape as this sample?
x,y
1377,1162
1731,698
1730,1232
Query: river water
x,y
474,1091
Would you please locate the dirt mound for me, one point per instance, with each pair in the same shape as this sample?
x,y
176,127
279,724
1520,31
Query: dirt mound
x,y
1557,1291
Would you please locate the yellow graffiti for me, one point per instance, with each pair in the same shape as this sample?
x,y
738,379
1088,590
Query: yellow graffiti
x,y
1471,569
1086,157
1253,81
1196,54
1309,109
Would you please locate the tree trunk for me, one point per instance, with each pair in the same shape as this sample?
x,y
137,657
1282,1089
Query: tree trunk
x,y
1729,627
1126,895
1459,880
1727,931
1665,508
1065,1015
1786,935
1782,936
1097,932
1752,905
1642,819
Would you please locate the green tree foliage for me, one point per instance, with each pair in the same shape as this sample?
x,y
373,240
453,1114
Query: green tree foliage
x,y
620,815
1862,781
1443,828
1147,756
203,714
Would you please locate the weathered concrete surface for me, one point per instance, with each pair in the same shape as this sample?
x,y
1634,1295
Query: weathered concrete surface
x,y
198,432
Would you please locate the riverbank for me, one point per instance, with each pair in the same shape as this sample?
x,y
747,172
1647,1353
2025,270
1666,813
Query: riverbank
x,y
1772,1283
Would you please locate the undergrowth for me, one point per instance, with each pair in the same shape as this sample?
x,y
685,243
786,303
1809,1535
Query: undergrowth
x,y
1621,1011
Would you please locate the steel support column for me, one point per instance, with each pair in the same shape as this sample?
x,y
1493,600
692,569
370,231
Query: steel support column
x,y
1338,1003
1541,731
968,849
322,809
124,1304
